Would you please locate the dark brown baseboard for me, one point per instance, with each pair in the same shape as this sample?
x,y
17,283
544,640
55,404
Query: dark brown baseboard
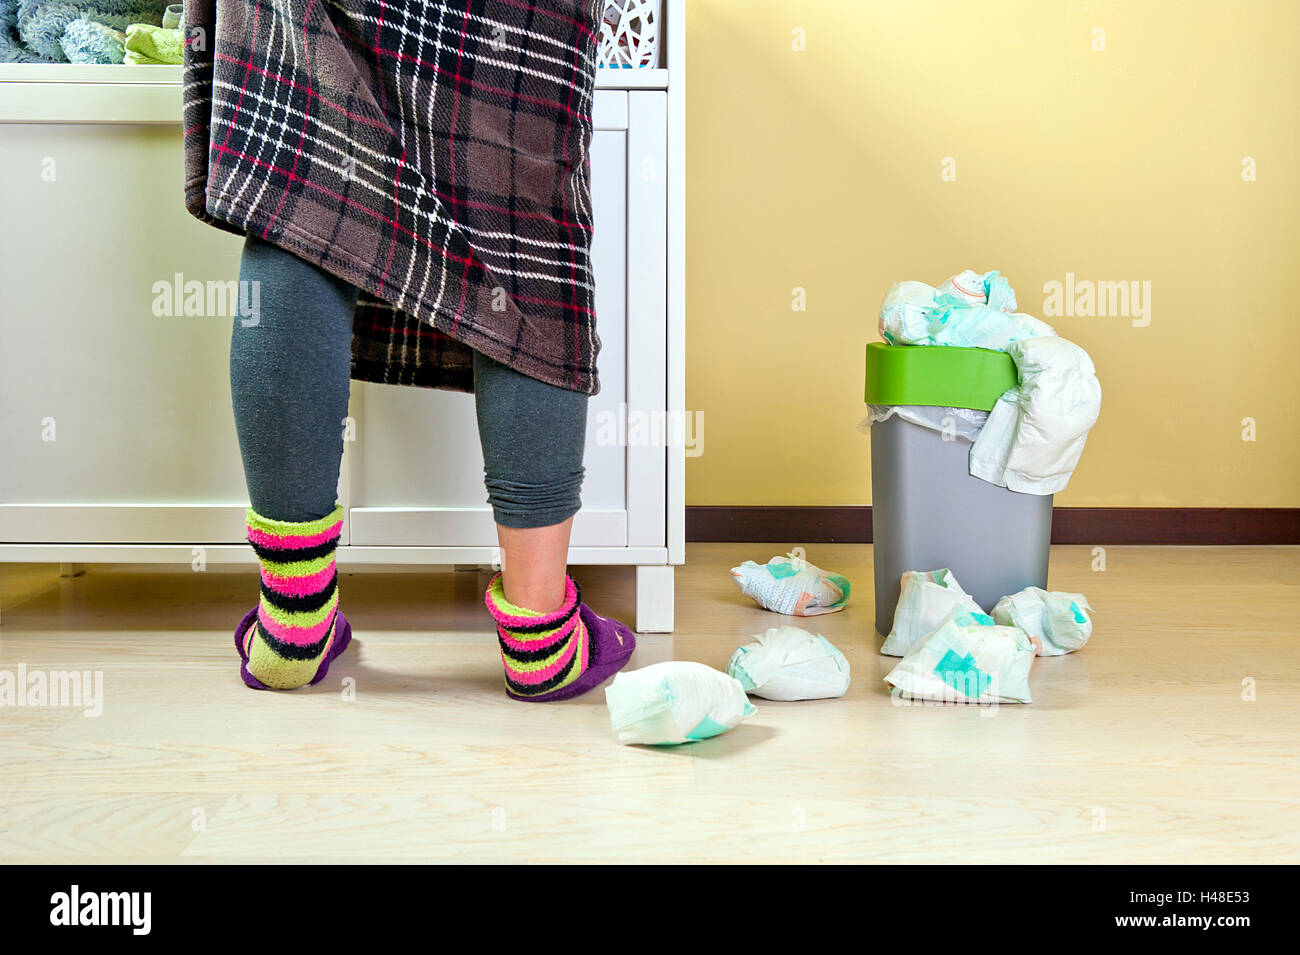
x,y
1070,525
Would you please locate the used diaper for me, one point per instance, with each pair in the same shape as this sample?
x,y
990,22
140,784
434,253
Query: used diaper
x,y
786,663
674,702
1033,437
926,597
989,289
792,585
1057,619
967,659
966,311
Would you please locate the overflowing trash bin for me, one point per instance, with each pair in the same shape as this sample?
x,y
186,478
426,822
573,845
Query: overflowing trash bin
x,y
926,407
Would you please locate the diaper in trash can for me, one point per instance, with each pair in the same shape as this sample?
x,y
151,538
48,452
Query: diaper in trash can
x,y
927,510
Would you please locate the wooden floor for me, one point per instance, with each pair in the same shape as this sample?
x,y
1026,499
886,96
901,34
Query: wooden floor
x,y
1140,748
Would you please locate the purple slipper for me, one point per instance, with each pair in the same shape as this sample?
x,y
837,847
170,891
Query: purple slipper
x,y
612,643
342,637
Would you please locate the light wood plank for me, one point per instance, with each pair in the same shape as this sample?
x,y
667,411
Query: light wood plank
x,y
1140,748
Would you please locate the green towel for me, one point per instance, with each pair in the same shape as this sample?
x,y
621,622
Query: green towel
x,y
146,43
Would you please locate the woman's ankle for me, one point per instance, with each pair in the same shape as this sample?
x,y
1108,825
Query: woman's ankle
x,y
535,593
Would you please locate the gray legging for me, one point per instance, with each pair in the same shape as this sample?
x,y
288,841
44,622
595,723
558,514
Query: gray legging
x,y
289,377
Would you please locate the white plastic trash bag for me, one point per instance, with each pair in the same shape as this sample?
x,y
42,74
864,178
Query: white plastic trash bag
x,y
786,663
925,598
952,423
674,702
967,659
1059,620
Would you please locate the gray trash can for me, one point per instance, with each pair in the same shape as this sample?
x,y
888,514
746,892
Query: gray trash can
x,y
927,511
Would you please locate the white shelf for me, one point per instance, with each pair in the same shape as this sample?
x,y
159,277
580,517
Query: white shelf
x,y
132,93
616,79
166,75
115,73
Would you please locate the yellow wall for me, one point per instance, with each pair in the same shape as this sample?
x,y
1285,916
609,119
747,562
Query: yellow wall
x,y
822,170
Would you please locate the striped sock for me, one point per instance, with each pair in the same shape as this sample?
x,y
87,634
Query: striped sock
x,y
542,652
296,615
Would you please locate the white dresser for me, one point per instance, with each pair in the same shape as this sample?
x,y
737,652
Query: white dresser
x,y
117,442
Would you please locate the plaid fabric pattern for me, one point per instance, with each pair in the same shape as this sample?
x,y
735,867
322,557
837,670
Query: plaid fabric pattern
x,y
434,154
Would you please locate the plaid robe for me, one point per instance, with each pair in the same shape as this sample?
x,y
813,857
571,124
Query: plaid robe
x,y
434,154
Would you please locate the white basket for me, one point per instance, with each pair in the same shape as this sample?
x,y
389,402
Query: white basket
x,y
629,35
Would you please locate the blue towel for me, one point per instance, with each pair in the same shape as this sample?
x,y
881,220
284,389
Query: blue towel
x,y
88,41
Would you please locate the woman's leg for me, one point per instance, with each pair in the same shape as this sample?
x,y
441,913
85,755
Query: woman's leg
x,y
533,435
289,379
289,374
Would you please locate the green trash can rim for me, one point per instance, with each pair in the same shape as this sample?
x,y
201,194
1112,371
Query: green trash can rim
x,y
937,375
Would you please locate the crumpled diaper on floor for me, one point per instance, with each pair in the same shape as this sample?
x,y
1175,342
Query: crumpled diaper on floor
x,y
925,598
1056,618
791,585
967,659
674,702
787,663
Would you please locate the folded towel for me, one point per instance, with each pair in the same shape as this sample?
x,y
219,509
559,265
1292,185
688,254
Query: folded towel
x,y
39,25
146,43
87,41
11,48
